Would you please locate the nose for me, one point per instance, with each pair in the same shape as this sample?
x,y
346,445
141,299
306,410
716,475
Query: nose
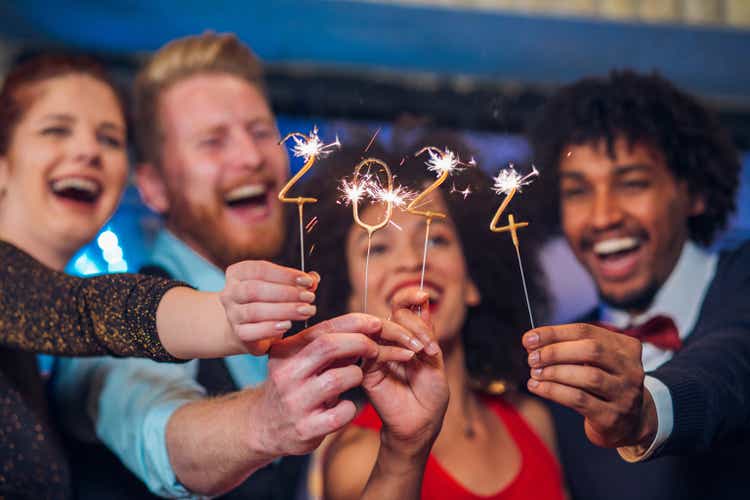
x,y
86,149
247,153
607,211
410,257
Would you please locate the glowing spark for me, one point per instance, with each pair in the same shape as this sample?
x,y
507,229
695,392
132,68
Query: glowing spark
x,y
442,162
398,196
463,192
369,145
395,225
352,192
307,147
509,180
312,249
311,225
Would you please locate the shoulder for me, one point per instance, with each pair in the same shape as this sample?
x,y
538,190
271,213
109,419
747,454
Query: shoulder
x,y
349,461
155,270
537,416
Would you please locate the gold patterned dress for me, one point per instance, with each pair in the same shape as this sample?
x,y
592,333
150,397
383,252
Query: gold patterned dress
x,y
46,311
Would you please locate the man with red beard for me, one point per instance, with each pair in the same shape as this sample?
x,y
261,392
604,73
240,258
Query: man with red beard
x,y
643,178
212,165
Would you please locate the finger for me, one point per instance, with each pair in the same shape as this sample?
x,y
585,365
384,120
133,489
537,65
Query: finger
x,y
316,280
259,312
587,351
387,353
581,401
588,378
348,323
413,323
259,347
328,385
268,271
409,297
321,424
253,332
546,335
393,332
324,350
248,291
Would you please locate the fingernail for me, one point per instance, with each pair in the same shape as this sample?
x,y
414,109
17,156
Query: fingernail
x,y
306,296
532,340
283,326
536,372
315,275
304,281
533,383
432,349
534,358
306,310
416,344
374,324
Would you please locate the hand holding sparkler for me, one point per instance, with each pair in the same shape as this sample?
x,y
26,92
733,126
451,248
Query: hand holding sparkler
x,y
508,182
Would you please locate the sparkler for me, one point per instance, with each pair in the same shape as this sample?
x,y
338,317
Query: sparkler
x,y
442,163
367,185
310,148
507,183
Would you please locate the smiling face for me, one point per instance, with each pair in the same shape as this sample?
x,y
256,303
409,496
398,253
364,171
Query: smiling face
x,y
626,218
221,169
396,263
65,167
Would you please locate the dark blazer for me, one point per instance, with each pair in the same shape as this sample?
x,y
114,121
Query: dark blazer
x,y
709,381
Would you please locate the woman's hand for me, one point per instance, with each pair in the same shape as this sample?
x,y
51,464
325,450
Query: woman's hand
x,y
410,397
261,299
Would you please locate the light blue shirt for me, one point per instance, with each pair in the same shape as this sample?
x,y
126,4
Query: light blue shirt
x,y
129,401
680,298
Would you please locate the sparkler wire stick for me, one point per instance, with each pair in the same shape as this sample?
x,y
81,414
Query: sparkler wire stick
x,y
443,163
310,148
508,182
371,228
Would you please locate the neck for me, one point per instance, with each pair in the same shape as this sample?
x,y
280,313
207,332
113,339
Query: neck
x,y
462,406
192,244
54,258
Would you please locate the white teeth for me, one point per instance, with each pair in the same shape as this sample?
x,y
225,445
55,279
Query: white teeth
x,y
246,191
615,245
79,183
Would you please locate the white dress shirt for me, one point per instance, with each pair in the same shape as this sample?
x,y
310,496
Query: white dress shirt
x,y
681,299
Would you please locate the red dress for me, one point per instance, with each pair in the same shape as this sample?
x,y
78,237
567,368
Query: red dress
x,y
539,476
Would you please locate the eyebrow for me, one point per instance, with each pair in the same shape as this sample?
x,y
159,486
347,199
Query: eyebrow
x,y
112,126
59,116
636,167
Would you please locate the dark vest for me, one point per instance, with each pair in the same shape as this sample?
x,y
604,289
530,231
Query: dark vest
x,y
599,473
98,473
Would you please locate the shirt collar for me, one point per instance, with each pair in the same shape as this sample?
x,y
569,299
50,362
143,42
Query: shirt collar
x,y
681,296
183,263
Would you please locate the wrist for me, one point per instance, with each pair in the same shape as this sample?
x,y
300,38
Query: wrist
x,y
261,447
649,421
410,451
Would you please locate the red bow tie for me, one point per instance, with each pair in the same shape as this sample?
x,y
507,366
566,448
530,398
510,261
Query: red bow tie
x,y
659,331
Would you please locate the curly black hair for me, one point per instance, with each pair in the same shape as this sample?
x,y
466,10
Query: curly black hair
x,y
650,110
492,332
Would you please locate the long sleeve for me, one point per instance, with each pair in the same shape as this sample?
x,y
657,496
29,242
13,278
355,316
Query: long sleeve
x,y
127,403
709,380
46,311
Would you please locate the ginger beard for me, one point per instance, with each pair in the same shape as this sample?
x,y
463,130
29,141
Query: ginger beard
x,y
225,232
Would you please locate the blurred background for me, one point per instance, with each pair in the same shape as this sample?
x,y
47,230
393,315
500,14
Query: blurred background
x,y
478,67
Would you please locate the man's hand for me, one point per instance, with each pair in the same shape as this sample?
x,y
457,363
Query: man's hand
x,y
597,373
262,299
299,404
411,398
